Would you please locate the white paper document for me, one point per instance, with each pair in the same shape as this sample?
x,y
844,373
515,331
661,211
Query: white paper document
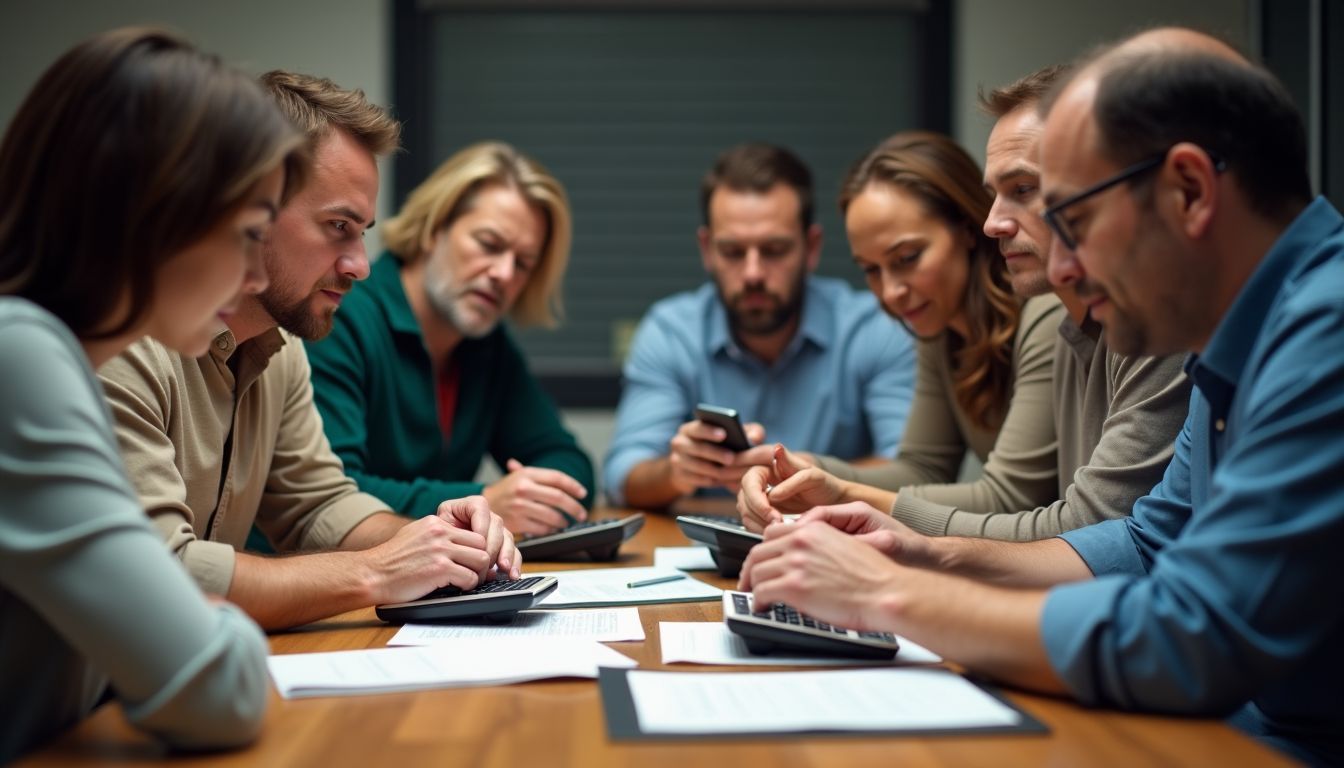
x,y
603,624
599,587
684,558
469,662
707,642
836,700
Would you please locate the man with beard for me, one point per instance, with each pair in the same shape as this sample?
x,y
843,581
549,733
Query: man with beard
x,y
217,442
1116,416
485,236
1174,174
807,360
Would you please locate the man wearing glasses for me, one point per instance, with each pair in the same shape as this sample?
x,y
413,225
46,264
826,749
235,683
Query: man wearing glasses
x,y
1117,416
1174,174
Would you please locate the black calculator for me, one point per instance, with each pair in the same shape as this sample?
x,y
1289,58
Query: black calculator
x,y
496,600
728,540
780,629
598,539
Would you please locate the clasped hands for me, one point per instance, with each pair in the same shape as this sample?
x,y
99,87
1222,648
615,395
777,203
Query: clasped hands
x,y
787,484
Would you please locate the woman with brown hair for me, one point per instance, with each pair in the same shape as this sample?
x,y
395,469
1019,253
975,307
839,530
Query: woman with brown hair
x,y
914,211
137,183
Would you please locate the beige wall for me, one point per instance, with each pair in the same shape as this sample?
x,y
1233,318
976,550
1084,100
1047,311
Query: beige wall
x,y
345,40
998,41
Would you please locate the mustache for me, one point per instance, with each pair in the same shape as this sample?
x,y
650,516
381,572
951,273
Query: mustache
x,y
343,284
489,289
1012,246
746,292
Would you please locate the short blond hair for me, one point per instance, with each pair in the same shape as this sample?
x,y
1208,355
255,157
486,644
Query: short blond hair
x,y
451,191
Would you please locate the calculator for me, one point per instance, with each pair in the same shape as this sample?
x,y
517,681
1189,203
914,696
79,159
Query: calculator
x,y
496,600
598,539
728,540
780,629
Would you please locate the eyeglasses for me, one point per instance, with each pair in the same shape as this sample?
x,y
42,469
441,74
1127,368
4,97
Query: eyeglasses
x,y
1054,215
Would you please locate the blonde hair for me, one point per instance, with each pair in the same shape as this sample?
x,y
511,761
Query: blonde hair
x,y
451,191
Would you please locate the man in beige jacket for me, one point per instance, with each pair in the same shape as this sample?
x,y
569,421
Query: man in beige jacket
x,y
216,443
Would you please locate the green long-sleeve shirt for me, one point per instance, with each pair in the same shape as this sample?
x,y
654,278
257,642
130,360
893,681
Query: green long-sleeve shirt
x,y
374,385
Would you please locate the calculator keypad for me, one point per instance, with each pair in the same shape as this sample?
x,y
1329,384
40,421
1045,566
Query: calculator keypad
x,y
784,614
499,585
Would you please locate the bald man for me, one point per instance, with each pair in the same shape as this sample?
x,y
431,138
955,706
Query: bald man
x,y
1174,175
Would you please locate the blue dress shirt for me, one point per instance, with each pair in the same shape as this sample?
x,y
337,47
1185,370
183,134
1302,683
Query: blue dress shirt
x,y
1222,593
841,387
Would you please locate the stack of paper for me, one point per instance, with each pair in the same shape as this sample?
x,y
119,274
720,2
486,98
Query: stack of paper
x,y
695,558
788,702
712,643
605,625
611,586
468,662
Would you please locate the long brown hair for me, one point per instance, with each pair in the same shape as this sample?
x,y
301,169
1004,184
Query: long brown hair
x,y
947,181
129,148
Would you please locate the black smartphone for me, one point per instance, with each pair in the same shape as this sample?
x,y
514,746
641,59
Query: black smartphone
x,y
726,419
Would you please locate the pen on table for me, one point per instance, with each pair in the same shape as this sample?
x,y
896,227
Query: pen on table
x,y
651,582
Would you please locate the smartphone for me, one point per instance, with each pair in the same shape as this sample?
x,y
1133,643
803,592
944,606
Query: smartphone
x,y
726,419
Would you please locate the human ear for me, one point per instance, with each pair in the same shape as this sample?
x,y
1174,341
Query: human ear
x,y
1193,184
706,258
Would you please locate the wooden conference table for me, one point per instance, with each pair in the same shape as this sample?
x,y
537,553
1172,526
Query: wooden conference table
x,y
560,722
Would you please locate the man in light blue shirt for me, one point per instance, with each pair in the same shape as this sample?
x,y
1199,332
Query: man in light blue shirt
x,y
805,360
1175,179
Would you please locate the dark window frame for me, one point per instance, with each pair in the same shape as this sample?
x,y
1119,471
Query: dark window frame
x,y
411,58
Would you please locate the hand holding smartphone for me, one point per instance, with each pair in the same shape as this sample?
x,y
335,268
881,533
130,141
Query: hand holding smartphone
x,y
727,420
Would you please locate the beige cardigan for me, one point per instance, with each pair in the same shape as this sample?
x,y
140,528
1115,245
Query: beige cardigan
x,y
1020,465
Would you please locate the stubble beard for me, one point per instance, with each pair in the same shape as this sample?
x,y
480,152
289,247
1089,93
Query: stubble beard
x,y
297,315
1027,283
446,301
765,321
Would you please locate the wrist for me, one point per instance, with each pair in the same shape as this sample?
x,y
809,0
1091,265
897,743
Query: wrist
x,y
890,607
671,486
368,581
876,498
947,554
847,492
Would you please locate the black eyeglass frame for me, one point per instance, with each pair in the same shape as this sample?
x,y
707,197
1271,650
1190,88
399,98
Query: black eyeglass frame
x,y
1056,222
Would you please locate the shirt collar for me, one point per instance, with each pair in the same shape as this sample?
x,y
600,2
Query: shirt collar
x,y
816,327
262,347
1082,340
1228,349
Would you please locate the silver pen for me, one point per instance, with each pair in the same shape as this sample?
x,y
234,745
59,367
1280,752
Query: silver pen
x,y
651,582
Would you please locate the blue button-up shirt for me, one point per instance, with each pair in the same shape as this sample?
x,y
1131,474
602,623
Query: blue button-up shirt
x,y
842,386
1224,592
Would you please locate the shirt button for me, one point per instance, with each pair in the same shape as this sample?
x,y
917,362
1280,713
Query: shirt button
x,y
1220,425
